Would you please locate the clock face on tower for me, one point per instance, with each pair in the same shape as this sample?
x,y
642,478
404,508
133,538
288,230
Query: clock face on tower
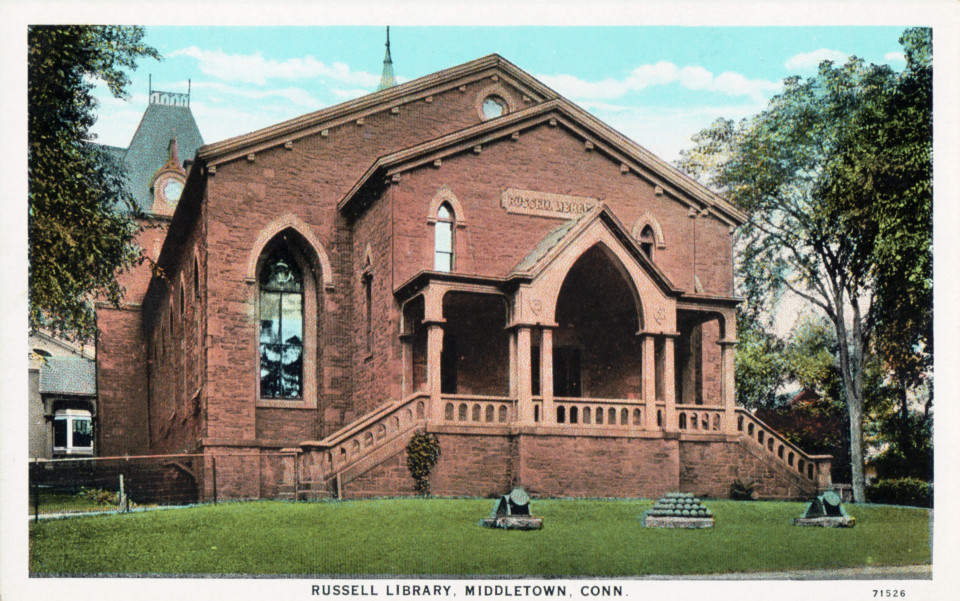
x,y
172,190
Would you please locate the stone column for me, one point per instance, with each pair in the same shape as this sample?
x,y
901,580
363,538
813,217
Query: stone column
x,y
648,381
523,377
406,360
434,351
549,415
669,385
727,386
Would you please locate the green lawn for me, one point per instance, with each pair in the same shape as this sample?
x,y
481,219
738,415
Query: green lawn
x,y
441,537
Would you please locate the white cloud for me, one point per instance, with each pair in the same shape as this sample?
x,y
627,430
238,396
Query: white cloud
x,y
895,57
294,95
255,69
806,61
659,74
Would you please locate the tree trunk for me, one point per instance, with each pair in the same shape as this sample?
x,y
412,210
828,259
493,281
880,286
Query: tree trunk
x,y
855,409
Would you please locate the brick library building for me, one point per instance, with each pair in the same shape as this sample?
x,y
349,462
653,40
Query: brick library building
x,y
467,254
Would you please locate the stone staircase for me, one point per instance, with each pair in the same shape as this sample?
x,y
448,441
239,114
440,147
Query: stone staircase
x,y
811,472
329,464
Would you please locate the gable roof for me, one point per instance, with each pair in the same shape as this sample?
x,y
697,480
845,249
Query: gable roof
x,y
553,244
150,147
558,111
380,100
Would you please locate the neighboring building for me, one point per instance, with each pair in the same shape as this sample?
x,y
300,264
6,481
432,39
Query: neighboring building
x,y
467,253
63,391
66,417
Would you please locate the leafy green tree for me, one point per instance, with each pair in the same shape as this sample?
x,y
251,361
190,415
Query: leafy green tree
x,y
760,364
81,220
780,167
883,186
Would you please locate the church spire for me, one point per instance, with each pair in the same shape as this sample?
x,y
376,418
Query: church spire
x,y
387,80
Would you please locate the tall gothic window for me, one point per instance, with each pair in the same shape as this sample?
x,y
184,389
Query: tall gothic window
x,y
281,327
443,239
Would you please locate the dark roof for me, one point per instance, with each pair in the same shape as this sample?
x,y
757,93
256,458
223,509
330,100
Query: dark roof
x,y
150,147
547,243
68,375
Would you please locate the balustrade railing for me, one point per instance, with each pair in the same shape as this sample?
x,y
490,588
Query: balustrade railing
x,y
699,418
342,449
600,412
778,447
477,410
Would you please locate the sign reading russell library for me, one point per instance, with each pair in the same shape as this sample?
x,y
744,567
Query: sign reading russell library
x,y
545,204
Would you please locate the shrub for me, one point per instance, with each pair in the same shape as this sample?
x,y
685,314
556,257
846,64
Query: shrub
x,y
100,496
742,490
423,451
901,491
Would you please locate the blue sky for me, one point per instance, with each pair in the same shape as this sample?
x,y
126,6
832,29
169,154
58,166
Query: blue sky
x,y
657,85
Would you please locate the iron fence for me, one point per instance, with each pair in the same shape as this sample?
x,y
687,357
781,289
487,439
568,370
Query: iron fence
x,y
92,484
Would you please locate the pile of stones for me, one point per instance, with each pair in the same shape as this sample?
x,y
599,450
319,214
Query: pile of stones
x,y
678,510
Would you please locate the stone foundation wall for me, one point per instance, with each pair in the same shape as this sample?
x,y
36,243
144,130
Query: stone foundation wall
x,y
586,466
707,468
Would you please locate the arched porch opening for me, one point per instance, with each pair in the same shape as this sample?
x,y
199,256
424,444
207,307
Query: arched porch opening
x,y
698,358
475,359
596,350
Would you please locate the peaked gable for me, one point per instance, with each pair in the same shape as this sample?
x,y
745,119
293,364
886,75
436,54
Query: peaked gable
x,y
557,112
498,70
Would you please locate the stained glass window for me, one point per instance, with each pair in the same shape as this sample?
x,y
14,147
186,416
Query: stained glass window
x,y
281,327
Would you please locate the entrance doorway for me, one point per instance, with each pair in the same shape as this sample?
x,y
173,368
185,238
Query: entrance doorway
x,y
566,372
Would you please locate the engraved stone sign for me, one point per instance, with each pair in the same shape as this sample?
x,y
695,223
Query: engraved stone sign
x,y
545,204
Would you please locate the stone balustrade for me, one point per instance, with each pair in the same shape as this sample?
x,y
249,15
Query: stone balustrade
x,y
812,467
600,412
699,418
477,410
323,460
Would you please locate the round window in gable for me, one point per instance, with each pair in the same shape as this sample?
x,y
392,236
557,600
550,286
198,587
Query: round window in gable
x,y
493,107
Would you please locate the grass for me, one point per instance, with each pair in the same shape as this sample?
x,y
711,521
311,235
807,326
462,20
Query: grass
x,y
441,537
68,503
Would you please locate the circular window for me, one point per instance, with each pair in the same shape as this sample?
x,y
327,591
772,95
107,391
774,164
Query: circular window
x,y
492,107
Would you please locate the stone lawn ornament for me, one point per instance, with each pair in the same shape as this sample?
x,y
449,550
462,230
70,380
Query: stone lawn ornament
x,y
678,510
512,512
826,511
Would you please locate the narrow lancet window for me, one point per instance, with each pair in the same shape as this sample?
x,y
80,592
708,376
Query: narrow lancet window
x,y
443,239
281,327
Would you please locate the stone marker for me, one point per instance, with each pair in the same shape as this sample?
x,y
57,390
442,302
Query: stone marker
x,y
512,512
678,510
826,511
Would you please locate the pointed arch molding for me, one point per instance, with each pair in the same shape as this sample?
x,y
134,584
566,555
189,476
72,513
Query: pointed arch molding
x,y
290,221
445,194
648,219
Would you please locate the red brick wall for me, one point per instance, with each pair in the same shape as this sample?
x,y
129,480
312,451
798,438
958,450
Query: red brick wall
x,y
121,383
308,180
548,159
481,466
584,466
389,479
708,468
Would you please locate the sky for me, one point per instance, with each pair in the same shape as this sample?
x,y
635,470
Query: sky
x,y
656,85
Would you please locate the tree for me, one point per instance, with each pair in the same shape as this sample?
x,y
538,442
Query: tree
x,y
82,223
884,186
760,365
781,167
